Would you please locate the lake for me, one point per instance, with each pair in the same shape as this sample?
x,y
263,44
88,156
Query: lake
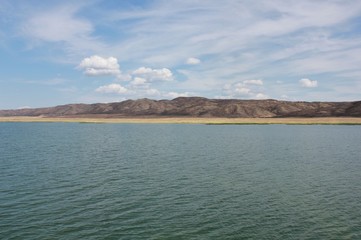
x,y
174,181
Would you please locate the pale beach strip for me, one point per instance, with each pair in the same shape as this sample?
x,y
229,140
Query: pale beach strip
x,y
193,120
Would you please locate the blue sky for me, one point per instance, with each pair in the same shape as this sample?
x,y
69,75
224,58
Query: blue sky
x,y
59,52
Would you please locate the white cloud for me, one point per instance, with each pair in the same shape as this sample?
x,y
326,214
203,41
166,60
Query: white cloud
x,y
253,82
242,90
62,25
138,81
261,96
237,89
175,94
150,74
262,30
305,82
141,81
152,92
245,88
284,97
235,39
57,25
112,88
98,66
227,87
223,97
251,89
193,61
24,107
124,77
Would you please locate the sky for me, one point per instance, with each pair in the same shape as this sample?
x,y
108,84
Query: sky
x,y
61,52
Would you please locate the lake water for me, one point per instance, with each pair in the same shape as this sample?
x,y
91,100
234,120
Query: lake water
x,y
159,181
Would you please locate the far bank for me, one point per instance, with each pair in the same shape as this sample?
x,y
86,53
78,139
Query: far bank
x,y
193,120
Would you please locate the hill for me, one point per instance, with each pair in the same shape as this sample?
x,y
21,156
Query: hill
x,y
197,107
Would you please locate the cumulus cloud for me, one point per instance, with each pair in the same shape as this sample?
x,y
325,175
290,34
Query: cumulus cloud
x,y
152,92
124,77
261,96
112,88
138,81
193,61
24,107
163,74
242,90
98,66
245,89
305,82
239,89
175,94
284,97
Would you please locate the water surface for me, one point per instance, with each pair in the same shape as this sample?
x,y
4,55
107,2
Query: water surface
x,y
169,181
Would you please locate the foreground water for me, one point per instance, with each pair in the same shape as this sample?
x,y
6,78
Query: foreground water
x,y
129,181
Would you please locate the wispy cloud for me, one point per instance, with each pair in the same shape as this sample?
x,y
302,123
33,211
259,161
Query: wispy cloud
x,y
258,82
265,39
50,82
193,61
186,47
61,24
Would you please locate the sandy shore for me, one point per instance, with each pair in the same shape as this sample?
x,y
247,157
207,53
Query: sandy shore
x,y
185,120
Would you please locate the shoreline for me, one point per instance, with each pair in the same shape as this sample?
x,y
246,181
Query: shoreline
x,y
193,120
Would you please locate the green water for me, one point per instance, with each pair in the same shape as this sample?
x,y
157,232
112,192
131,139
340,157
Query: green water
x,y
140,181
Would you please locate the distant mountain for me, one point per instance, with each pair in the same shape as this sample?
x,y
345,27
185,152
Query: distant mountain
x,y
197,107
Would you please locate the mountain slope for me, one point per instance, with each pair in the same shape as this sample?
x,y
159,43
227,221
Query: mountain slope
x,y
197,107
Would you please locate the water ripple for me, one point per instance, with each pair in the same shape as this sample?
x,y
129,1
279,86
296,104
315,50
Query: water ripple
x,y
125,181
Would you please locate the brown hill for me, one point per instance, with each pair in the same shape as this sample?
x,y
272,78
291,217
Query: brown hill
x,y
197,107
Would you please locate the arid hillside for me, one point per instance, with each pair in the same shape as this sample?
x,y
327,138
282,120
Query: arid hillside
x,y
197,107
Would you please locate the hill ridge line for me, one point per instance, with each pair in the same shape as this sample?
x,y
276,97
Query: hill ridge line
x,y
197,107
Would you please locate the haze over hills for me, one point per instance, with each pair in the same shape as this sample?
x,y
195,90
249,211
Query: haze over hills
x,y
197,107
